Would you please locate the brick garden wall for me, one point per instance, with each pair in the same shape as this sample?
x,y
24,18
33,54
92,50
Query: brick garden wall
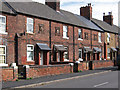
x,y
38,71
9,74
102,64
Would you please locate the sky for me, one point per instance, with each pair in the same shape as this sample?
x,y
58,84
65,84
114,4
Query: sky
x,y
98,7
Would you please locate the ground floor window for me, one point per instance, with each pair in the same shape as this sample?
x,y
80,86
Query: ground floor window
x,y
66,56
108,53
30,52
2,54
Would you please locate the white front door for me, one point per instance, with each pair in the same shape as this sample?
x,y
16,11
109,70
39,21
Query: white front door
x,y
41,58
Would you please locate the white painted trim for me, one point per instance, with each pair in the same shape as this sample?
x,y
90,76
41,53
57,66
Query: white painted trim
x,y
66,37
3,64
80,39
31,50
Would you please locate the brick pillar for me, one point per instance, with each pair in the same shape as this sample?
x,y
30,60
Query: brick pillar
x,y
47,58
27,71
15,73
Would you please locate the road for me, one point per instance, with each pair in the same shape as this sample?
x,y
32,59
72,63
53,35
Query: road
x,y
104,80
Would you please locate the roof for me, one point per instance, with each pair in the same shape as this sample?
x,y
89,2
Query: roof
x,y
60,48
43,47
43,11
105,26
5,8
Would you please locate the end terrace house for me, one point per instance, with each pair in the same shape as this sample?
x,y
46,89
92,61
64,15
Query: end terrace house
x,y
36,34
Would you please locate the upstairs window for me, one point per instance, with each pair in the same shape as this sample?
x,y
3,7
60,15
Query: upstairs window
x,y
99,37
30,25
2,54
30,52
57,31
2,23
86,35
65,32
79,34
108,37
95,37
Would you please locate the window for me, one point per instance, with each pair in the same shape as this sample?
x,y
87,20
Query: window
x,y
108,52
2,54
108,37
86,35
2,23
65,32
79,34
30,52
80,53
66,56
29,25
41,28
57,31
95,37
99,37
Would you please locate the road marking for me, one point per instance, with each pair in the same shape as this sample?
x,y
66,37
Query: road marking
x,y
101,84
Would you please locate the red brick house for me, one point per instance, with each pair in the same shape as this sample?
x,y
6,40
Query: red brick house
x,y
37,38
36,34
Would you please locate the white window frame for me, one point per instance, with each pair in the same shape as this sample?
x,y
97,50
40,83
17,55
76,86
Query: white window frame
x,y
28,23
3,64
66,52
108,37
30,51
99,37
79,30
65,31
1,29
107,53
80,50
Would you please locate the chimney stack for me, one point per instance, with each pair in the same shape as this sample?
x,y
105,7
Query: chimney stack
x,y
108,18
54,4
86,11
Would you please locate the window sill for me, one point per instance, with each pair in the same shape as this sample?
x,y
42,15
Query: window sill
x,y
80,59
65,37
99,42
66,60
80,39
29,33
3,32
30,61
3,65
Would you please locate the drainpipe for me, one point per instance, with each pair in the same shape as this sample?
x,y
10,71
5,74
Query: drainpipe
x,y
50,40
91,43
73,44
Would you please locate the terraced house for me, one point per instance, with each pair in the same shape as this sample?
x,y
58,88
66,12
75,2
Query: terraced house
x,y
46,40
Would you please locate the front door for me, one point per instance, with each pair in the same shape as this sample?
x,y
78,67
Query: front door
x,y
41,58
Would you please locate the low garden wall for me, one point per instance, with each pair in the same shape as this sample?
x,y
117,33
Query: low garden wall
x,y
9,73
102,64
38,71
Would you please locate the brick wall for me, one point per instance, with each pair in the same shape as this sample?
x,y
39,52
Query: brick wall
x,y
9,74
82,66
102,64
38,71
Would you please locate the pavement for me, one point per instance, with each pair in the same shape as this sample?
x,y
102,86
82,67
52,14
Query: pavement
x,y
49,79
